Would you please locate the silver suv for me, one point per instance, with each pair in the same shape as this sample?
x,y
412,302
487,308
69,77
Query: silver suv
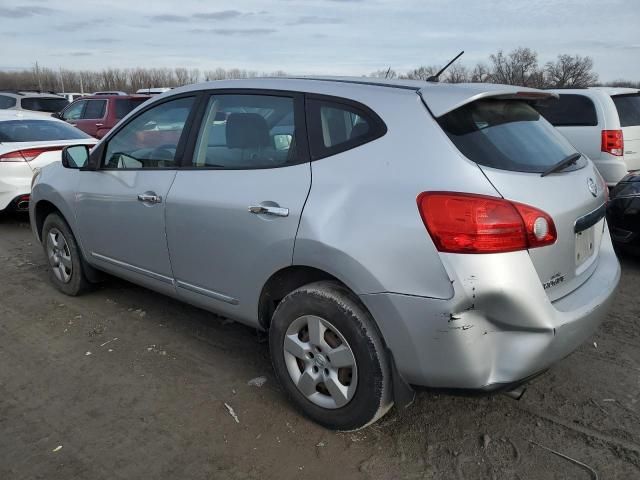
x,y
385,234
46,103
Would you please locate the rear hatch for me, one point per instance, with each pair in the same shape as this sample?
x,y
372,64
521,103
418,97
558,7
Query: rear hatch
x,y
628,107
513,145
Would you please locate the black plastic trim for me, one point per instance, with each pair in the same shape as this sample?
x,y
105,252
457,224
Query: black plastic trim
x,y
590,219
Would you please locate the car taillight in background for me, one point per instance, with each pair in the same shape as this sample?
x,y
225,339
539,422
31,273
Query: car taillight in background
x,y
469,223
612,142
27,154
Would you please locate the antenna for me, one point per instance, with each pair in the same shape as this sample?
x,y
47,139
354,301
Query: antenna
x,y
436,77
386,75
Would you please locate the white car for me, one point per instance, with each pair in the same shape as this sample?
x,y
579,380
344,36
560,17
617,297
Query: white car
x,y
29,141
153,90
601,122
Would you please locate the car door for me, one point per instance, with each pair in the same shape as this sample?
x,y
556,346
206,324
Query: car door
x,y
121,205
93,117
233,213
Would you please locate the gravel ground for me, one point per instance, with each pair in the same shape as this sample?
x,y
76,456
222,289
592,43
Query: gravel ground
x,y
123,383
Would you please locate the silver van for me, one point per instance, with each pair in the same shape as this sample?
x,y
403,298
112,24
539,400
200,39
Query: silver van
x,y
601,122
386,234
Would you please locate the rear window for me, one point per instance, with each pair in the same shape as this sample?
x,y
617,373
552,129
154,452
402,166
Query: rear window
x,y
95,109
569,111
125,105
508,135
628,107
38,130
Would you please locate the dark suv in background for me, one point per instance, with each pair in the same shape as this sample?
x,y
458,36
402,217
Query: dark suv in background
x,y
96,115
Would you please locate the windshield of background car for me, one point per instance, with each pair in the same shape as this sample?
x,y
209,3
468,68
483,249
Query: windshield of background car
x,y
508,135
628,107
44,104
37,131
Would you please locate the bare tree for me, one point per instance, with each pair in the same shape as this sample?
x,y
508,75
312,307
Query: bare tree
x,y
385,73
457,73
570,71
421,73
518,67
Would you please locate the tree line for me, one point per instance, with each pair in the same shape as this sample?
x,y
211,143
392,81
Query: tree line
x,y
517,67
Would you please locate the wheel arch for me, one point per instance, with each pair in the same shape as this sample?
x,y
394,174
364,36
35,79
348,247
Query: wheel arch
x,y
285,281
41,211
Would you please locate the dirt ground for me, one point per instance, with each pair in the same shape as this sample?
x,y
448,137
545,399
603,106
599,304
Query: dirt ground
x,y
123,383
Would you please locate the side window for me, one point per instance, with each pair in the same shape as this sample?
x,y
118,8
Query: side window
x,y
151,139
74,111
335,127
569,111
95,109
247,131
7,102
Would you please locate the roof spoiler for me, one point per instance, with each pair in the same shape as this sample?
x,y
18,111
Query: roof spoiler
x,y
442,99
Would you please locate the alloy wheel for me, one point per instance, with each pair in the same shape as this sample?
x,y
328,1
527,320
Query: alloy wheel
x,y
320,362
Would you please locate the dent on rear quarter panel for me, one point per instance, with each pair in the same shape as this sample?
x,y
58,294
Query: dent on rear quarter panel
x,y
361,222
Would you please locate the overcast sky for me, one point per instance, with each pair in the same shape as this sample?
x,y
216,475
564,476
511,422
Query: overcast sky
x,y
314,36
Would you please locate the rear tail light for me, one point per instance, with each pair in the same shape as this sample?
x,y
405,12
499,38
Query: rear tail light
x,y
612,142
27,154
469,223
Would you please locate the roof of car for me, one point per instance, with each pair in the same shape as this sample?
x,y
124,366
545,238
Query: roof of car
x,y
440,97
27,94
11,114
106,97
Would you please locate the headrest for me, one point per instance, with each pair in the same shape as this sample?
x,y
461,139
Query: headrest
x,y
247,130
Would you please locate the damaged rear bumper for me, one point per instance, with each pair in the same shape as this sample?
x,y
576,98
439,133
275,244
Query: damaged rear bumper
x,y
499,328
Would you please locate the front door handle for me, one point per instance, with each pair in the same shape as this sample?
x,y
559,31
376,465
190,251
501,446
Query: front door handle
x,y
149,197
269,210
99,124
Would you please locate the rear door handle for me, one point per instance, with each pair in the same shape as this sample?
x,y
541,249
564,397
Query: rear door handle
x,y
99,124
268,210
149,197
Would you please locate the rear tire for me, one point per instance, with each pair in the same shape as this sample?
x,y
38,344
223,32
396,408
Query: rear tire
x,y
329,357
64,257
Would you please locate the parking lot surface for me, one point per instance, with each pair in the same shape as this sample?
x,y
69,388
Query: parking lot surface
x,y
123,383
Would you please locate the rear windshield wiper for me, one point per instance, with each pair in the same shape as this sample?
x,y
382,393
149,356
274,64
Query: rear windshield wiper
x,y
562,164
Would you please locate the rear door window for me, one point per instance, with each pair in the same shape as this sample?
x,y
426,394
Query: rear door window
x,y
569,111
335,126
507,135
44,104
7,102
249,132
628,107
126,105
95,109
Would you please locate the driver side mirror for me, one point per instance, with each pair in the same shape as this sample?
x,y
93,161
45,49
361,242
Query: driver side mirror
x,y
75,156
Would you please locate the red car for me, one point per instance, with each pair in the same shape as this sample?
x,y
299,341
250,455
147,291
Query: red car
x,y
96,115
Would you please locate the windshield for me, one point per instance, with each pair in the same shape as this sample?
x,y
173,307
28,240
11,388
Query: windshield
x,y
508,135
628,107
44,104
38,130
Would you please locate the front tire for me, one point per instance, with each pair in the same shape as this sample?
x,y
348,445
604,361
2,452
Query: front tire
x,y
329,358
64,257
